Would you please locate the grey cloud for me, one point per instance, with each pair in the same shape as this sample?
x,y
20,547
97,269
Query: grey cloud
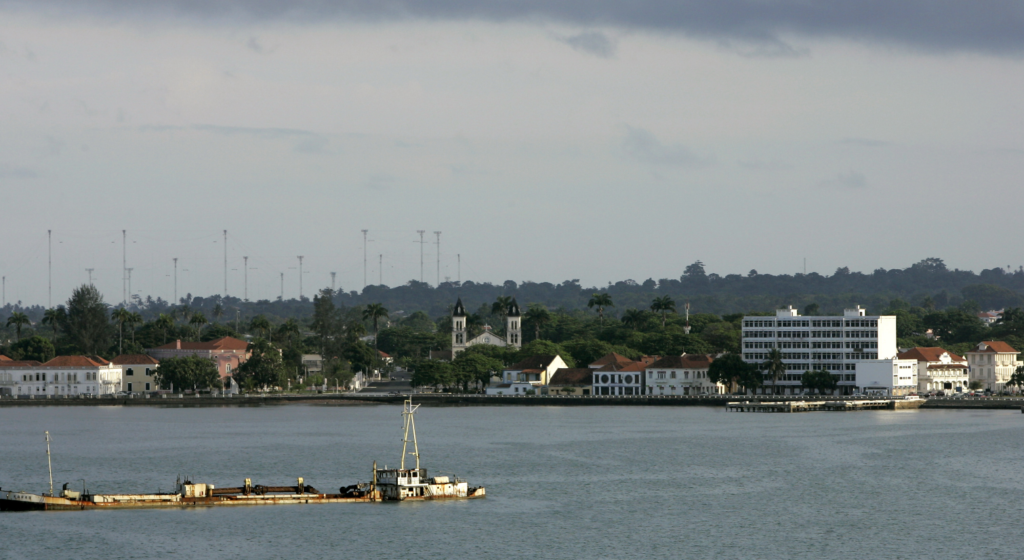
x,y
16,172
644,146
851,180
303,141
591,42
981,25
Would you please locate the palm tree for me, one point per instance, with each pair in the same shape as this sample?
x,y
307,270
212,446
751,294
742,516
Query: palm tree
x,y
218,312
18,319
663,304
197,321
600,301
538,315
500,307
774,366
289,330
260,323
165,323
135,319
633,318
54,317
373,312
121,315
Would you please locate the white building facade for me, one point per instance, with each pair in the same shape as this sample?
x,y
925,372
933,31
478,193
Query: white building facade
x,y
889,378
460,330
829,343
619,380
938,370
992,363
681,375
61,376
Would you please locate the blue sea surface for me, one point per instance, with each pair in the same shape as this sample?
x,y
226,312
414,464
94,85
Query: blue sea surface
x,y
575,482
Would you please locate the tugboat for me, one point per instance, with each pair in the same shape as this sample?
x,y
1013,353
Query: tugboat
x,y
413,484
388,485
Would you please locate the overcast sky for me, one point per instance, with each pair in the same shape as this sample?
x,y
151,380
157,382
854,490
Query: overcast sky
x,y
597,140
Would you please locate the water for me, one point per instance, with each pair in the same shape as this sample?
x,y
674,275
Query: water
x,y
579,482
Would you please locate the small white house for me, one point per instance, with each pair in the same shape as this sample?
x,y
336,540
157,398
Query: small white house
x,y
891,378
513,389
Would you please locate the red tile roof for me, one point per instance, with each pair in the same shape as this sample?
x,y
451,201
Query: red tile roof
x,y
686,361
631,366
75,361
19,363
134,359
572,376
994,346
609,359
223,343
927,354
533,362
5,358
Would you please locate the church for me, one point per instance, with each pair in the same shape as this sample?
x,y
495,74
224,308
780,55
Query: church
x,y
513,330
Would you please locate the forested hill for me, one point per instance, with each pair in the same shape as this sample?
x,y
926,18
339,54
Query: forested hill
x,y
928,284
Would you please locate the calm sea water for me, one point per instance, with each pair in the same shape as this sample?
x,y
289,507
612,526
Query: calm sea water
x,y
561,482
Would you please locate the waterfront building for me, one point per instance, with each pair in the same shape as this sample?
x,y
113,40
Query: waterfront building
x,y
892,377
460,330
63,375
610,359
536,370
312,364
992,363
620,379
938,369
227,352
138,372
513,388
829,343
571,381
682,375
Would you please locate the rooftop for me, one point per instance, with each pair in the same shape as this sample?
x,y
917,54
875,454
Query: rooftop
x,y
223,343
927,354
134,359
572,376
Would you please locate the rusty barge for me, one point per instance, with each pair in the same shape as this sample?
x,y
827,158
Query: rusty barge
x,y
387,485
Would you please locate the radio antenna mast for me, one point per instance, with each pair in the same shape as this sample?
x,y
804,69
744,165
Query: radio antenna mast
x,y
48,463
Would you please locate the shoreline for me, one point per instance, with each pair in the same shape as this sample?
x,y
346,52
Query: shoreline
x,y
426,399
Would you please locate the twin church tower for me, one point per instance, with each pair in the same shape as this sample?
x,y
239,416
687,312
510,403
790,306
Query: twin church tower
x,y
513,329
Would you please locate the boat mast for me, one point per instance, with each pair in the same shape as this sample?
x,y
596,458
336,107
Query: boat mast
x,y
49,464
407,411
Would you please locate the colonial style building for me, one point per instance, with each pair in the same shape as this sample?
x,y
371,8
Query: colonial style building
x,y
620,379
63,375
831,343
571,381
460,330
536,370
992,363
227,352
682,375
138,372
938,369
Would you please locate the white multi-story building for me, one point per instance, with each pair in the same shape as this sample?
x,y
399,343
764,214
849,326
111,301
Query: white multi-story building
x,y
619,379
992,363
830,343
63,375
938,369
682,375
892,377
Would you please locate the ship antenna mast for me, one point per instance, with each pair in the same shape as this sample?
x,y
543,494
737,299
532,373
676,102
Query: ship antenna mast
x,y
408,409
49,464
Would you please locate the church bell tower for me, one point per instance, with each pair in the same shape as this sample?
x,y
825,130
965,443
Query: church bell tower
x,y
514,326
458,328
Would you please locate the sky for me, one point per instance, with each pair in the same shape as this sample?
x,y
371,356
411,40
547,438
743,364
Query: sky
x,y
597,140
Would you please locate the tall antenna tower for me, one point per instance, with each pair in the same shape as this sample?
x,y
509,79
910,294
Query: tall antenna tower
x,y
364,257
686,329
282,286
245,261
300,277
49,272
175,302
460,268
332,281
380,270
124,266
421,232
225,263
438,243
89,270
129,281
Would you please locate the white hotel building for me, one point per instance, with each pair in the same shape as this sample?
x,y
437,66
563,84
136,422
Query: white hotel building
x,y
832,343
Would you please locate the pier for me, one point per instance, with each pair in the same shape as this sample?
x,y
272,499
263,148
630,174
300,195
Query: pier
x,y
811,406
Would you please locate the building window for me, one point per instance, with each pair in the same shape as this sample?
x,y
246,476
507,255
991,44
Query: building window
x,y
147,386
129,387
129,371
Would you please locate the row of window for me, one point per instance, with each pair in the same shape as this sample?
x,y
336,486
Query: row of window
x,y
826,323
72,377
810,334
686,375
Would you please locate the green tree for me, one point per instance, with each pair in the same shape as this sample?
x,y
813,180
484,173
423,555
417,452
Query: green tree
x,y
164,323
374,312
774,367
819,380
218,312
476,367
1017,378
289,332
188,372
428,373
18,319
197,321
600,301
663,305
634,318
54,317
121,315
133,320
325,318
264,367
260,324
730,370
360,356
538,316
86,324
500,307
32,348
